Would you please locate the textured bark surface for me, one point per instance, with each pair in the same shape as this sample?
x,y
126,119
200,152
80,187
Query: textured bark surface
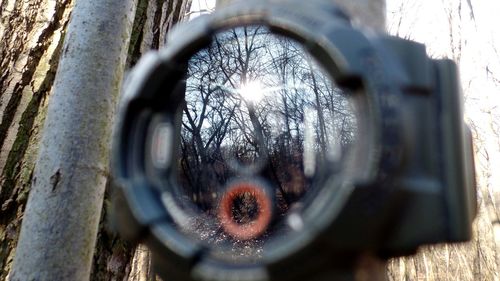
x,y
115,259
154,18
61,219
31,36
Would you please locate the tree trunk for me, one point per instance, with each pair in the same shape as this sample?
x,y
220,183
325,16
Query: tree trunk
x,y
31,36
61,219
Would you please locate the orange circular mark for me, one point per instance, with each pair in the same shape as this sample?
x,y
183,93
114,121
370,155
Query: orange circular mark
x,y
250,229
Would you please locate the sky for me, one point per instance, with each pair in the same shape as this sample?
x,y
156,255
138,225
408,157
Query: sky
x,y
426,21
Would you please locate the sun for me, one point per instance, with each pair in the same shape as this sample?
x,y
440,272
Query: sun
x,y
252,92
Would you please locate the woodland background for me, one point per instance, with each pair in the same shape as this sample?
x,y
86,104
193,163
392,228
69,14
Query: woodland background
x,y
31,36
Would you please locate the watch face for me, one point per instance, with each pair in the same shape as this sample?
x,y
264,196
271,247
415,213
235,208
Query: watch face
x,y
265,134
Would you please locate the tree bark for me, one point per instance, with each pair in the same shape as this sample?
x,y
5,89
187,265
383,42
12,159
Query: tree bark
x,y
31,35
61,219
116,259
31,39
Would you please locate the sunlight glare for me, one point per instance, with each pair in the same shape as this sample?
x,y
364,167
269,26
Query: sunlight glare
x,y
252,91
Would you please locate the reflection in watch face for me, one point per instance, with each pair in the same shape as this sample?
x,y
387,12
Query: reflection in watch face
x,y
261,113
